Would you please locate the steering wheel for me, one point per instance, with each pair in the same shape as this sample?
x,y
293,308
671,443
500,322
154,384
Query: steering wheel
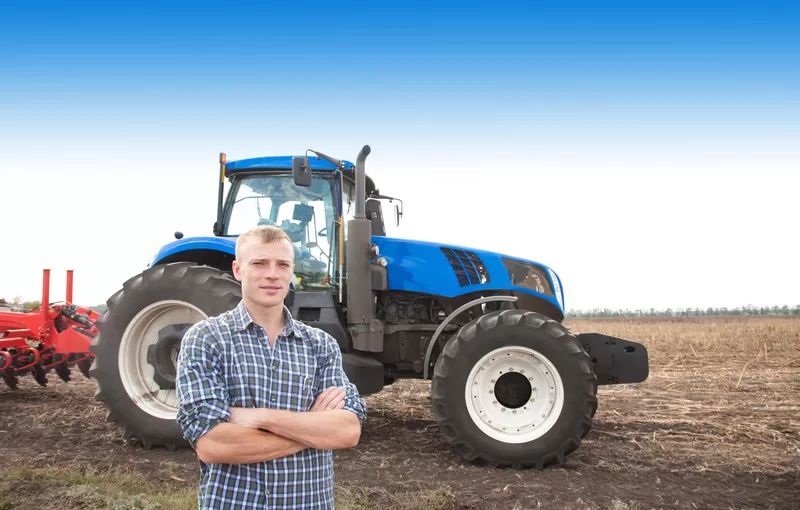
x,y
320,233
266,221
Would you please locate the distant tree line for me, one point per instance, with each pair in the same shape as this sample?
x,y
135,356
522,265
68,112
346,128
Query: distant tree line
x,y
18,304
685,312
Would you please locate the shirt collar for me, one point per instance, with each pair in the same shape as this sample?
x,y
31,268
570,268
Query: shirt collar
x,y
242,320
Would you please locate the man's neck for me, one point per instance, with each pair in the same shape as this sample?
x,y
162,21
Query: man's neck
x,y
270,318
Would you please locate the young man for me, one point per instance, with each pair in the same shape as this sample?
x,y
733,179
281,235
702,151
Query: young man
x,y
263,398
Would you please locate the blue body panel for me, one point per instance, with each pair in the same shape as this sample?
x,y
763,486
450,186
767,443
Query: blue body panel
x,y
279,163
223,244
417,266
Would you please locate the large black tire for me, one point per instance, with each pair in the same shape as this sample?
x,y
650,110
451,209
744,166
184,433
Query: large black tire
x,y
159,297
512,341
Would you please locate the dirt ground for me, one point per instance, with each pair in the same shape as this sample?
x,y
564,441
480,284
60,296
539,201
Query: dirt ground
x,y
717,425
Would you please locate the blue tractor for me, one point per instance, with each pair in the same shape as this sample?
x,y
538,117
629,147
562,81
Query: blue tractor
x,y
510,385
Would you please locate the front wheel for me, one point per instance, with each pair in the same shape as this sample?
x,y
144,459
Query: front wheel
x,y
139,338
513,388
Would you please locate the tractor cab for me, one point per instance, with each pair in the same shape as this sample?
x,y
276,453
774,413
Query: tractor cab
x,y
315,214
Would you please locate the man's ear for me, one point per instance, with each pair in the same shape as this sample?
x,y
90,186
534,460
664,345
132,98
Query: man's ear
x,y
236,270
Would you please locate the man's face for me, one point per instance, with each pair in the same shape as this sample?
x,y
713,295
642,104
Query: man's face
x,y
265,270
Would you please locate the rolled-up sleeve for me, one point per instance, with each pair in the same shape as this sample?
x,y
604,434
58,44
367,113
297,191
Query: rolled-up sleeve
x,y
332,374
200,385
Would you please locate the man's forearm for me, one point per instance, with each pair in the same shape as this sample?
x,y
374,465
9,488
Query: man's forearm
x,y
228,443
328,430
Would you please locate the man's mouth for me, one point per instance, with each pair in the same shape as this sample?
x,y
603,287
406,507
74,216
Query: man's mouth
x,y
270,287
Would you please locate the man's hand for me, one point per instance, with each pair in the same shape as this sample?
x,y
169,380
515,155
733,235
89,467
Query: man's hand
x,y
331,398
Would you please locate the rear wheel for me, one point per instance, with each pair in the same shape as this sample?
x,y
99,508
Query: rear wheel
x,y
513,388
138,343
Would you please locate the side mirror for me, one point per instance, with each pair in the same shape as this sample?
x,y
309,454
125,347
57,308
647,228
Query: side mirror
x,y
397,215
301,171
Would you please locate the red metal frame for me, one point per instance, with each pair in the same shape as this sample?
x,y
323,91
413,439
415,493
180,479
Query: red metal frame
x,y
31,337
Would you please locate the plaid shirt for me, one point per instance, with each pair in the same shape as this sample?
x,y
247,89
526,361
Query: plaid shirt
x,y
227,361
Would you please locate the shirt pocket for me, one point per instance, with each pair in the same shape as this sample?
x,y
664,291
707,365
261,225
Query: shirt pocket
x,y
301,386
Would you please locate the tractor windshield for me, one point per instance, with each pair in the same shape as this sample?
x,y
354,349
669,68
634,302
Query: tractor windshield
x,y
305,213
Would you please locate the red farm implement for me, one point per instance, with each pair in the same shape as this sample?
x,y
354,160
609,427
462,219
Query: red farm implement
x,y
49,337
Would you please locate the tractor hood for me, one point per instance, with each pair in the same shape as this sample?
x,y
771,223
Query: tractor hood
x,y
450,271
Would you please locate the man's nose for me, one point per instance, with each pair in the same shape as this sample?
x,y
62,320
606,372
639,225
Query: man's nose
x,y
272,271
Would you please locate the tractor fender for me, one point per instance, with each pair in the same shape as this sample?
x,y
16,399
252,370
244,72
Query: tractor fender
x,y
210,251
452,316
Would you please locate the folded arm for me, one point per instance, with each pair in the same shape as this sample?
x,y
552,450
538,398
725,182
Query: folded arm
x,y
328,430
229,443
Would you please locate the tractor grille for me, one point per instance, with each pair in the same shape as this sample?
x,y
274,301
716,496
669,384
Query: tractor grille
x,y
468,267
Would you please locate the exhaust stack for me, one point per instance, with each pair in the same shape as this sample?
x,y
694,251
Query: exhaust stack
x,y
367,333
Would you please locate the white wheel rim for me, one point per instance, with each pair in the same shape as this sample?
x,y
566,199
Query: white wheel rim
x,y
515,422
134,370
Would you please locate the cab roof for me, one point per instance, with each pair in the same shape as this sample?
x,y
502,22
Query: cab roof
x,y
285,163
279,163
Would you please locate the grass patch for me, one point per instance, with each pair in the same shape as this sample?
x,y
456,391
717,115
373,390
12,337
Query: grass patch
x,y
359,498
72,489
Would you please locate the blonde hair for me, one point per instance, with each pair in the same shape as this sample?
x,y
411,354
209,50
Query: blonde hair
x,y
263,233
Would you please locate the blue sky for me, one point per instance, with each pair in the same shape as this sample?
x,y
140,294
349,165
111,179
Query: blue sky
x,y
655,140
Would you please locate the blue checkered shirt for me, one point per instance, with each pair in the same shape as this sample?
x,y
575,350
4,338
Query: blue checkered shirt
x,y
227,361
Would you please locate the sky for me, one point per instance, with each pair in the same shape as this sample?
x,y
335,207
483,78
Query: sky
x,y
649,152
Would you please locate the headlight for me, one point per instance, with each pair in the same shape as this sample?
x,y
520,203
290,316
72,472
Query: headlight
x,y
557,287
529,276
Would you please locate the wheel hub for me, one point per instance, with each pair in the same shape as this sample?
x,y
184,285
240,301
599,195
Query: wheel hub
x,y
514,394
513,390
163,355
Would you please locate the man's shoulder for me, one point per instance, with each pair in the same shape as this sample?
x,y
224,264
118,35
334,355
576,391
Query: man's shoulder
x,y
312,334
212,329
309,332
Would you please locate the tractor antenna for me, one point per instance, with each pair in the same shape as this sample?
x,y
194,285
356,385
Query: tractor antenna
x,y
333,161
